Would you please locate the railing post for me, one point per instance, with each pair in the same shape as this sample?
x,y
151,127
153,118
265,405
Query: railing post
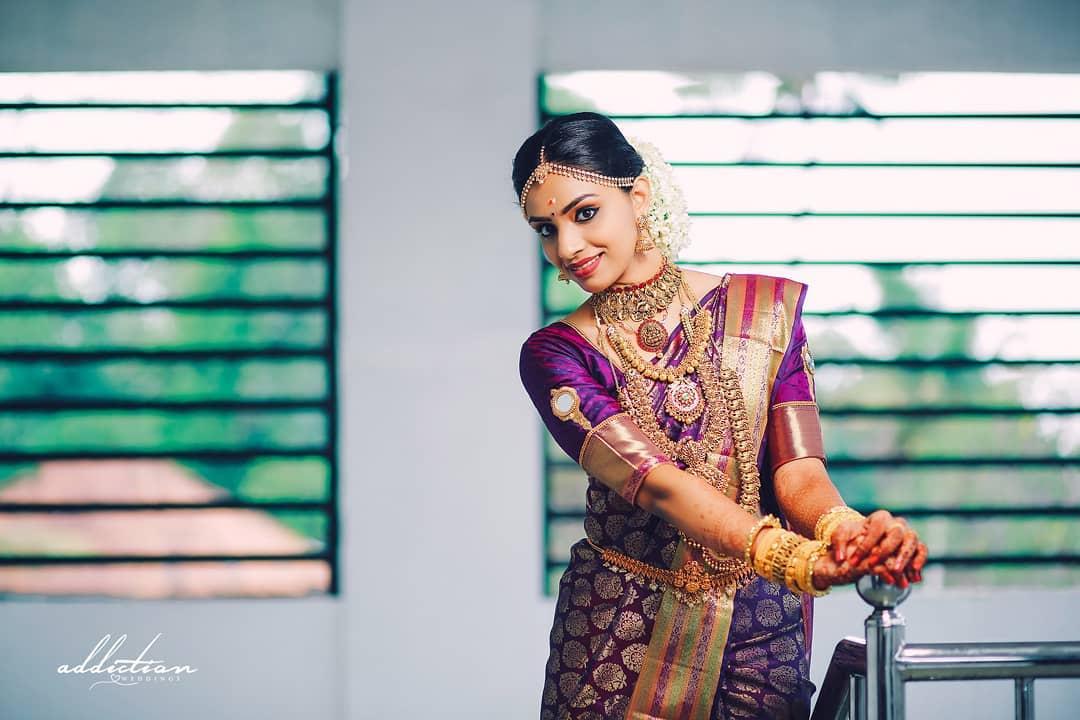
x,y
884,639
1025,698
857,701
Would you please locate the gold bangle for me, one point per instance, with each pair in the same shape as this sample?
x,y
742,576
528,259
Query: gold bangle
x,y
771,521
832,518
796,567
826,518
800,574
808,579
789,542
763,557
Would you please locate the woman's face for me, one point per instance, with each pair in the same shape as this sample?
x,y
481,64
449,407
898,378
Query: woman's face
x,y
589,230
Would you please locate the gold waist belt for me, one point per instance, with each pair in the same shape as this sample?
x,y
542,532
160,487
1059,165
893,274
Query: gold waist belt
x,y
691,582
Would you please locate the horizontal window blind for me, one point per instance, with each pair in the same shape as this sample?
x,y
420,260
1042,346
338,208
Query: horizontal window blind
x,y
935,218
167,373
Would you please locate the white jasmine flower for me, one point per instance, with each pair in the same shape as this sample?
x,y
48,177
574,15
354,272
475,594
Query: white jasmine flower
x,y
669,219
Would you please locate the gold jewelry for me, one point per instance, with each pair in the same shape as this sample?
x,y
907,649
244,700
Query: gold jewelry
x,y
832,518
697,332
683,401
640,301
566,405
763,558
723,393
789,560
795,574
644,240
690,584
694,357
770,520
545,168
725,396
808,575
789,542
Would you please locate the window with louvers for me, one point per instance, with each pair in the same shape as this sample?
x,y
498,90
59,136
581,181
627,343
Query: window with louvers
x,y
167,374
936,220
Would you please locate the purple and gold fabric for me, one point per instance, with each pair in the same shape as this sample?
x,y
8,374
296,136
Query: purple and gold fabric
x,y
618,647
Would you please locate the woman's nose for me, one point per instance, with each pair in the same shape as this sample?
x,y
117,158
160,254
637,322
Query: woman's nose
x,y
570,245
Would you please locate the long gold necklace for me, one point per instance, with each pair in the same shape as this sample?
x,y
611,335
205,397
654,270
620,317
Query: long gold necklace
x,y
724,401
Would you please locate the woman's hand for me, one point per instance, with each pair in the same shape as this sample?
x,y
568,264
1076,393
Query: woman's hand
x,y
885,545
845,539
829,572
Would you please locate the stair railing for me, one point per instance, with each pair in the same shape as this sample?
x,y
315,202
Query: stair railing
x,y
866,677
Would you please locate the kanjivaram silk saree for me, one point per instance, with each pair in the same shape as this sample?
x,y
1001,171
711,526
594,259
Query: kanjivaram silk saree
x,y
623,645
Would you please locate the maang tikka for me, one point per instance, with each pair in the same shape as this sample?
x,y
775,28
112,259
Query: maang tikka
x,y
545,167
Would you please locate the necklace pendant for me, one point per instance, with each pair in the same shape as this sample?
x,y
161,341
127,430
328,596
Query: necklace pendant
x,y
651,336
684,401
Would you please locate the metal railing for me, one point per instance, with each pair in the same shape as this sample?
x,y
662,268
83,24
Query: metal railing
x,y
866,677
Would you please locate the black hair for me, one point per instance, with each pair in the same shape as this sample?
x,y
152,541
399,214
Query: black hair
x,y
587,140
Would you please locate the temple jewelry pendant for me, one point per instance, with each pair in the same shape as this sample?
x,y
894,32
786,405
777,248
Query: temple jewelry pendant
x,y
684,401
651,336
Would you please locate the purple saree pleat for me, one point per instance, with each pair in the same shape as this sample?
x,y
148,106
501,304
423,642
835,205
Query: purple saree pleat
x,y
620,648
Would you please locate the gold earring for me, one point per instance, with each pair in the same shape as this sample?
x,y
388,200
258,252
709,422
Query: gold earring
x,y
644,240
563,277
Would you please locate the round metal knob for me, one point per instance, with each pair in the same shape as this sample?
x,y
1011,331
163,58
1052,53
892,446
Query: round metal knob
x,y
879,593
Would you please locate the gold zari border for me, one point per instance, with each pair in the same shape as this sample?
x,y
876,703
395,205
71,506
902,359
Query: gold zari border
x,y
614,450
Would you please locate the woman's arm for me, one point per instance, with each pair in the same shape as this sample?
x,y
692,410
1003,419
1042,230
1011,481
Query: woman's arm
x,y
716,521
689,503
804,492
592,428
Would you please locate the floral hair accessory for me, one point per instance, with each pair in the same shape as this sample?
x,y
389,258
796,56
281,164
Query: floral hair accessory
x,y
669,219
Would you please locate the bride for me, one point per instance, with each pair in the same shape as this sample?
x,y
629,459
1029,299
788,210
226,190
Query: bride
x,y
688,399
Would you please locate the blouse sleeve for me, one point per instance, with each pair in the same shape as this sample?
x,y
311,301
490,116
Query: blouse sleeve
x,y
794,426
583,417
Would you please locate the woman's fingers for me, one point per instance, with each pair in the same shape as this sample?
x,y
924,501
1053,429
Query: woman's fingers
x,y
827,572
920,558
873,529
842,536
889,549
905,553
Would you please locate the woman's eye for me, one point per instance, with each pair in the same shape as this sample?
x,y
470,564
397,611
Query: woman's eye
x,y
548,230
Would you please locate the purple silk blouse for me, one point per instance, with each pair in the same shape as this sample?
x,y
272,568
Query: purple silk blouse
x,y
602,439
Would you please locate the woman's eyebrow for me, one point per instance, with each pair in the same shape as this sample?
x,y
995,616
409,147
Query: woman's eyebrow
x,y
569,206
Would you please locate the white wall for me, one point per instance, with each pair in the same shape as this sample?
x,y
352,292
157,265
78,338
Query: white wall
x,y
800,37
441,614
442,524
46,35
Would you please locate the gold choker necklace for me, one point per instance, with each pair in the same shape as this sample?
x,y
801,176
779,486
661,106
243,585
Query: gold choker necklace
x,y
641,301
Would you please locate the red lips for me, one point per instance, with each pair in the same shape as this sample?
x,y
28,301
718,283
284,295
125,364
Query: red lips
x,y
586,268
